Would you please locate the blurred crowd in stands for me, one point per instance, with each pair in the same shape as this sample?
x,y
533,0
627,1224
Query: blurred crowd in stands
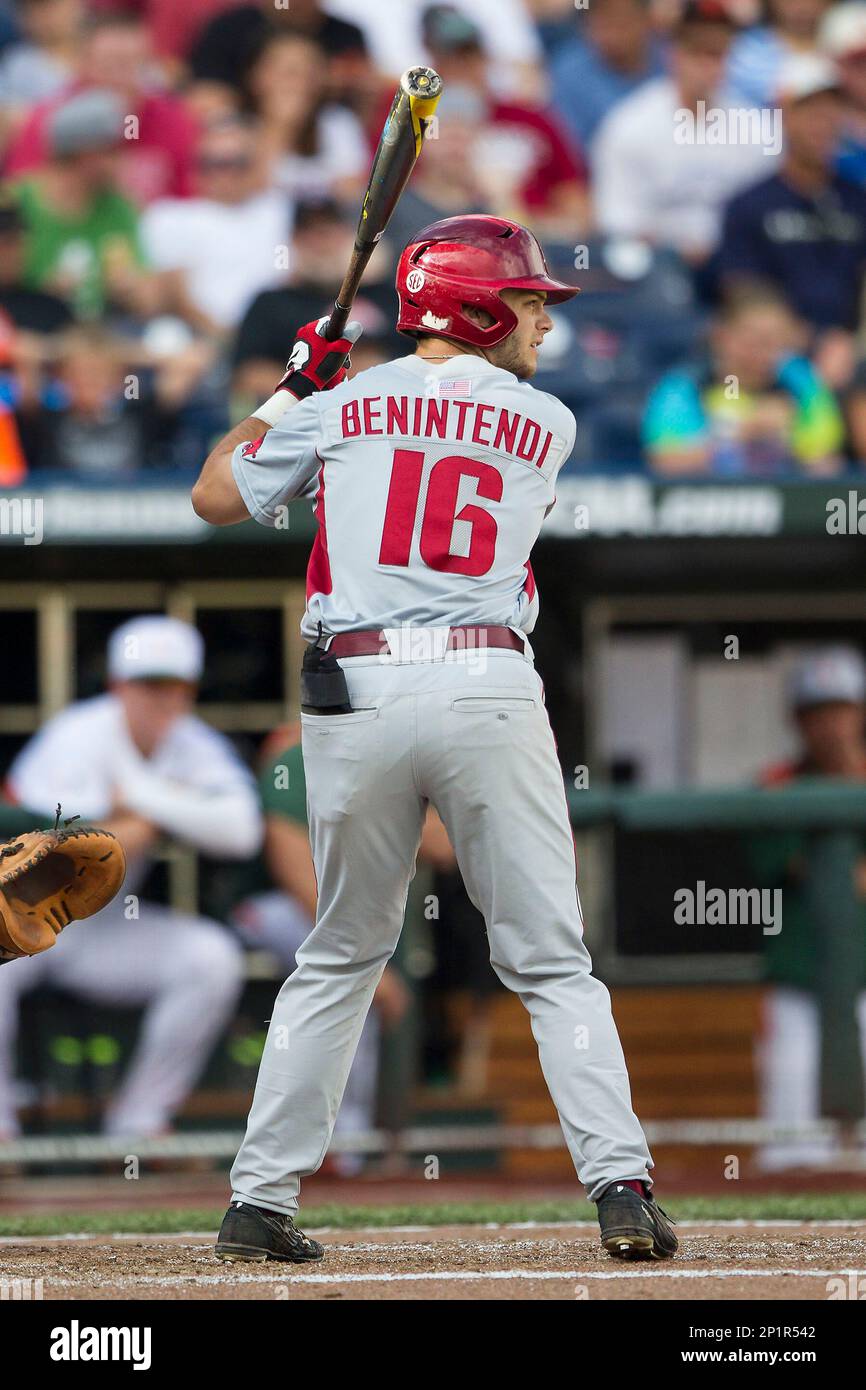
x,y
181,187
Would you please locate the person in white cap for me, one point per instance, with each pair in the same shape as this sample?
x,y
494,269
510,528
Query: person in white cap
x,y
827,698
843,38
137,760
785,29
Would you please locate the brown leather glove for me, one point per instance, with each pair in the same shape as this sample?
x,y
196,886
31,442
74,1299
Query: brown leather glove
x,y
49,878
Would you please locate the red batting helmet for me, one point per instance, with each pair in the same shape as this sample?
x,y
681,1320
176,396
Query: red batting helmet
x,y
469,260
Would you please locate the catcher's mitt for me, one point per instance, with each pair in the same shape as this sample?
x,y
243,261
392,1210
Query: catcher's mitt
x,y
48,878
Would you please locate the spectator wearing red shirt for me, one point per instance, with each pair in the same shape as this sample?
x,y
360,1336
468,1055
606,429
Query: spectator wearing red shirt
x,y
157,161
525,162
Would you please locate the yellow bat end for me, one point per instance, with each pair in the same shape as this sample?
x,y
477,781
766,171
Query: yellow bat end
x,y
423,87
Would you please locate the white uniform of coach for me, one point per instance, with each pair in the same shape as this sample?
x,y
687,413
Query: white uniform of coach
x,y
189,786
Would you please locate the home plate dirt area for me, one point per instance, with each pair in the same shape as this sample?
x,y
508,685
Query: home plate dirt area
x,y
792,1260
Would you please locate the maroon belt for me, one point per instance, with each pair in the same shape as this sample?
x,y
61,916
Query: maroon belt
x,y
373,642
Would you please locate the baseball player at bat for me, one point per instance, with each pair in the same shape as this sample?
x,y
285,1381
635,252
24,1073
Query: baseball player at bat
x,y
430,477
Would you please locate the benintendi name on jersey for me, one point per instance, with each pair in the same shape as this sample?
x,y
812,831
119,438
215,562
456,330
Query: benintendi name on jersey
x,y
422,417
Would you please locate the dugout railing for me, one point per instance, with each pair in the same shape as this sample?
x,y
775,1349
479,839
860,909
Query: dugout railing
x,y
830,816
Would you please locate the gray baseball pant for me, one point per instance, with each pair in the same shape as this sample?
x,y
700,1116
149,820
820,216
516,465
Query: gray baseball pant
x,y
470,736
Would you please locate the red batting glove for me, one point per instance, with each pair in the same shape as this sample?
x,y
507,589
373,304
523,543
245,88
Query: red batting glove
x,y
315,364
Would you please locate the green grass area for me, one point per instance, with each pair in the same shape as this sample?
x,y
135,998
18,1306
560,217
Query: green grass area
x,y
807,1207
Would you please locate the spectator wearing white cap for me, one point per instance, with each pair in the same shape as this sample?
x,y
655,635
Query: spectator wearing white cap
x,y
830,677
826,696
787,28
137,760
843,39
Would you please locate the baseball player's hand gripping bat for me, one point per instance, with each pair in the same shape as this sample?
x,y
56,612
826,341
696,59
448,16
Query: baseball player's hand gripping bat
x,y
399,147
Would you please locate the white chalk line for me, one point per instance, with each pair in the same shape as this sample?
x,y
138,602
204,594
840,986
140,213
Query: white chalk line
x,y
443,1276
736,1223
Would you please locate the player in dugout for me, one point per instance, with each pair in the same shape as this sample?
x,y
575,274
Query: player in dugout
x,y
138,760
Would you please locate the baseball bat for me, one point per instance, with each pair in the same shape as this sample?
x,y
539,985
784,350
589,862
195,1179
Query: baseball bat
x,y
399,147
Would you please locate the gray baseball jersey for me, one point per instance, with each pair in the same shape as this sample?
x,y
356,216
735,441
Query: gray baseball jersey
x,y
430,482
